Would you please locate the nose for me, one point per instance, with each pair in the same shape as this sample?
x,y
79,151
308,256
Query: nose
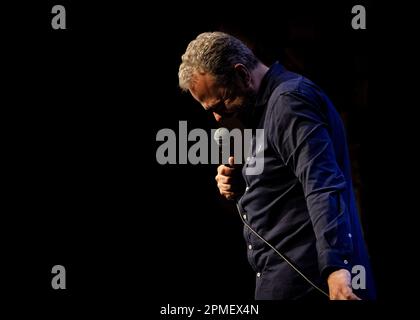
x,y
217,117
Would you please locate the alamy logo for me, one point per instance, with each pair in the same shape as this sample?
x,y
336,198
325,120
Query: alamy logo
x,y
59,20
59,280
359,20
195,147
358,280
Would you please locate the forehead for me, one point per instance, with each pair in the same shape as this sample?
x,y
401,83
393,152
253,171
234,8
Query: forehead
x,y
204,88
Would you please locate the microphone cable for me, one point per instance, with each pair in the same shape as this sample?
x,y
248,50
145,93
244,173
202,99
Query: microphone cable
x,y
222,137
276,251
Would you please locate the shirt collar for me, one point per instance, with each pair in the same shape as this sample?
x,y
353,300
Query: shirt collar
x,y
270,81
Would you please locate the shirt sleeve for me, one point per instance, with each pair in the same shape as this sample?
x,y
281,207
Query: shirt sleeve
x,y
299,134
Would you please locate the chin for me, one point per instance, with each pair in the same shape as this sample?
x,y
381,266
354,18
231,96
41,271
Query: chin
x,y
233,122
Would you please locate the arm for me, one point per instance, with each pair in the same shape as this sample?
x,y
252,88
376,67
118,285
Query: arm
x,y
302,140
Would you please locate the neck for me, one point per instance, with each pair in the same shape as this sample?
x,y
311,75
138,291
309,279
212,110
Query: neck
x,y
257,75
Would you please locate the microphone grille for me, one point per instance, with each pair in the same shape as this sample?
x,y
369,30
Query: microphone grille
x,y
222,136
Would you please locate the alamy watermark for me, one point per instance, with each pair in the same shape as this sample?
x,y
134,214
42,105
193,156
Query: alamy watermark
x,y
196,147
359,19
59,279
358,280
58,21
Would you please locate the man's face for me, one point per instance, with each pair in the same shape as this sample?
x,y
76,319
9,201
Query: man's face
x,y
226,104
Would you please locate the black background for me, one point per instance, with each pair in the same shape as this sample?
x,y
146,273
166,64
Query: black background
x,y
83,188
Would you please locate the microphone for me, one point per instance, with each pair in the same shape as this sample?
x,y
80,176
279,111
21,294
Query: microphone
x,y
222,138
221,135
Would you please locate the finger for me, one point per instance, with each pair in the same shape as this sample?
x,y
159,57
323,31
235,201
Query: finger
x,y
219,169
224,187
227,193
224,179
230,196
231,161
225,171
347,293
353,297
344,295
334,296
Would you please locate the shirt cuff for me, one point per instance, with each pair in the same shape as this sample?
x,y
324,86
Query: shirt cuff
x,y
332,260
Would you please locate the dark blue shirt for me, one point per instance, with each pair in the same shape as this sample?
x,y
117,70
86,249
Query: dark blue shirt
x,y
303,201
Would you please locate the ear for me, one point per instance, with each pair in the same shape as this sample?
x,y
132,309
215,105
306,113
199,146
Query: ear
x,y
243,74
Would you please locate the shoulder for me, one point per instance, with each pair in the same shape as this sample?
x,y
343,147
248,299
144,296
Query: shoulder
x,y
295,106
297,96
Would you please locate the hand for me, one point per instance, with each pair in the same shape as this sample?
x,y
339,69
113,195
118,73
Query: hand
x,y
227,179
339,284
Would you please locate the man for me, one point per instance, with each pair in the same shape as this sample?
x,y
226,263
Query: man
x,y
302,203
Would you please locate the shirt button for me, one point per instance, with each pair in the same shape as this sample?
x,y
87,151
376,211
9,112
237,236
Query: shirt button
x,y
250,247
349,235
244,216
258,274
346,262
247,188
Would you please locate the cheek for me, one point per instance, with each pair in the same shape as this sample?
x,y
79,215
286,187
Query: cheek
x,y
235,104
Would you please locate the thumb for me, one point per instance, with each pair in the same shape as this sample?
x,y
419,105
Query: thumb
x,y
354,297
231,161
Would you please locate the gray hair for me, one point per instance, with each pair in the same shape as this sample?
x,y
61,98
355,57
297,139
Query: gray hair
x,y
215,53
